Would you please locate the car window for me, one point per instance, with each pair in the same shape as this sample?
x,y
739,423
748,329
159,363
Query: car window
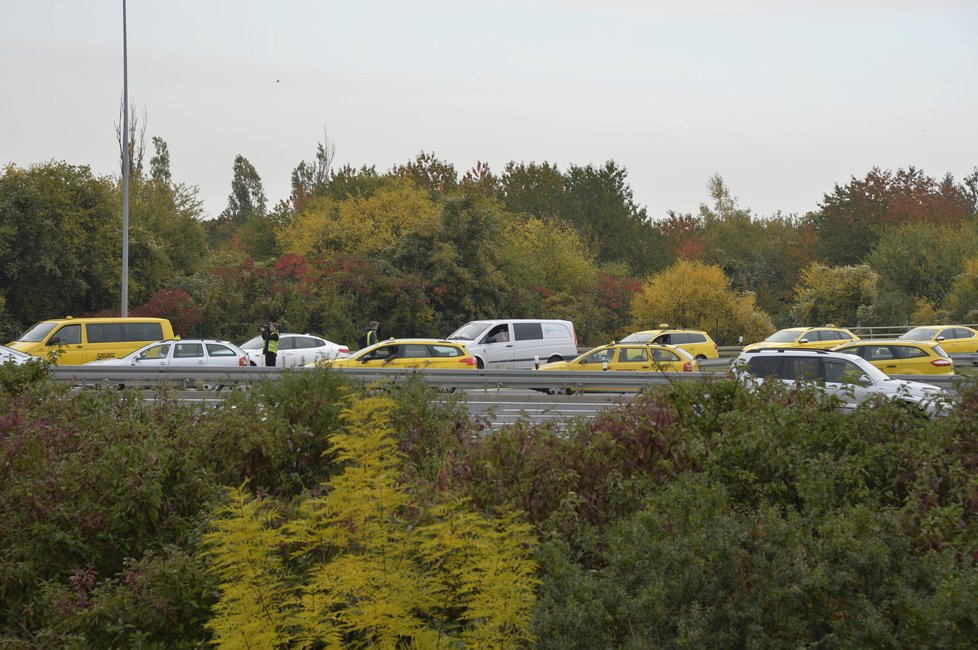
x,y
800,368
67,335
382,352
878,353
445,351
528,331
633,355
156,352
637,337
695,338
601,356
663,339
765,366
218,350
859,351
317,343
782,336
414,351
962,333
188,350
908,352
841,371
665,355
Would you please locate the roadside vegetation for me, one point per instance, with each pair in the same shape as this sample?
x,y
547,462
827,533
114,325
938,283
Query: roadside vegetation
x,y
313,512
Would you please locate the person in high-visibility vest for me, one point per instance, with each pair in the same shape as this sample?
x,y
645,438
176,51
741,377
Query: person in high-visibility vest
x,y
270,335
371,336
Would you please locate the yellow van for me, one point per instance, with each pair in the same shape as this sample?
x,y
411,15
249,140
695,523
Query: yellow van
x,y
74,341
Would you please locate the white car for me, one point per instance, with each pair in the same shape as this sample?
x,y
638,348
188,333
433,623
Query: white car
x,y
182,353
9,355
295,350
846,376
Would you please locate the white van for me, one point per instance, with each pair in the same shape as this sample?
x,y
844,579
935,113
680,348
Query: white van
x,y
518,343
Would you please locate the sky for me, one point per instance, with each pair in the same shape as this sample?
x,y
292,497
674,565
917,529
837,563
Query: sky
x,y
783,99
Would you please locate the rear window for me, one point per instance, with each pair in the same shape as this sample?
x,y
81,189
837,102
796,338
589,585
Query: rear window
x,y
910,351
445,351
123,332
218,350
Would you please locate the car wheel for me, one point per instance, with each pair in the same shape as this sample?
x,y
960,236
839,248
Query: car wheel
x,y
700,357
252,363
446,389
558,391
555,358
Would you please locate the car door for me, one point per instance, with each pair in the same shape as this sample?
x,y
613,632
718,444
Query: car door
x,y
187,355
847,381
221,356
155,356
633,358
957,340
411,355
289,352
599,359
500,347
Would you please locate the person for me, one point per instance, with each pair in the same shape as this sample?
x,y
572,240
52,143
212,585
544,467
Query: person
x,y
270,336
370,336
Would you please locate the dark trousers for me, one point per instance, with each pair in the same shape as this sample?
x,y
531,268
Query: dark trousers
x,y
270,359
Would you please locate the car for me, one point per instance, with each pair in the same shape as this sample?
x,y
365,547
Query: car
x,y
73,341
16,357
635,357
516,343
295,350
902,357
813,338
848,377
697,342
182,353
954,339
407,353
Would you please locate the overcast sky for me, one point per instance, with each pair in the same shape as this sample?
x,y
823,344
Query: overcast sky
x,y
783,99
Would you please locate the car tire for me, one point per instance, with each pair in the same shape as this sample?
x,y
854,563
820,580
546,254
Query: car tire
x,y
558,391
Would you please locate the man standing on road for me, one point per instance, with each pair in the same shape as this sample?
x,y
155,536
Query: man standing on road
x,y
270,335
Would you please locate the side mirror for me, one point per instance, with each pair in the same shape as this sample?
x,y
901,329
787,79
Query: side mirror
x,y
864,380
940,338
133,361
803,341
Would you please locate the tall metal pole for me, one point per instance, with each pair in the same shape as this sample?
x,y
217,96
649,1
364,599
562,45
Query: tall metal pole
x,y
125,167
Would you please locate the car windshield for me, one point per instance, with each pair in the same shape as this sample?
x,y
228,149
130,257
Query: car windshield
x,y
782,336
638,337
37,333
469,331
920,334
256,343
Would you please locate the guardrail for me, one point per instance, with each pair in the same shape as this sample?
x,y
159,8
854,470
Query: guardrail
x,y
208,379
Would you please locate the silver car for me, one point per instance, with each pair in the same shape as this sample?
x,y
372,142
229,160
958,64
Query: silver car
x,y
295,350
182,353
9,355
850,378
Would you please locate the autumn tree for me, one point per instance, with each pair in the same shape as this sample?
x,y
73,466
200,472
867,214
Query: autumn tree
x,y
693,294
853,217
842,295
961,301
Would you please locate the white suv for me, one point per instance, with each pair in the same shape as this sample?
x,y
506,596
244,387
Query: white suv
x,y
846,376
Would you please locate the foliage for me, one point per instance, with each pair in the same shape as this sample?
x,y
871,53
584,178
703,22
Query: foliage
x,y
375,568
844,295
693,294
851,220
962,297
175,305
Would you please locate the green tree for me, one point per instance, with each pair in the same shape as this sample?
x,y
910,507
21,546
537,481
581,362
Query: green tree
x,y
961,301
247,199
60,239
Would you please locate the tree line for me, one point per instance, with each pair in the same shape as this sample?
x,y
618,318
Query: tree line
x,y
424,248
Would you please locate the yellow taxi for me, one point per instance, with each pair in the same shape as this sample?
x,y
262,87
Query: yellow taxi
x,y
954,339
406,353
636,357
697,342
820,338
902,357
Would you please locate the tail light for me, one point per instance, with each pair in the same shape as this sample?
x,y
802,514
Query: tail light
x,y
469,361
943,363
687,367
574,334
344,350
715,347
242,361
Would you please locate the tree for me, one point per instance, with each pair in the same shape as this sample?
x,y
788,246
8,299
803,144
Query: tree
x,y
247,199
428,172
961,301
311,178
693,294
532,189
60,241
851,220
843,295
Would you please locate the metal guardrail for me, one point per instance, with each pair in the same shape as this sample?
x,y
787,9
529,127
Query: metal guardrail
x,y
110,376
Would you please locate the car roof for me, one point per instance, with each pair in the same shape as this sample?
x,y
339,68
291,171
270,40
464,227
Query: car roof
x,y
864,342
670,329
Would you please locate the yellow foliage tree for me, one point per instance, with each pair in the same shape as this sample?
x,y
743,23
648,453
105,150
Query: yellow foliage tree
x,y
358,225
375,568
695,295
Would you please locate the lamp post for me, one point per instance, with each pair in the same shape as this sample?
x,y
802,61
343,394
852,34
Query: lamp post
x,y
125,168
